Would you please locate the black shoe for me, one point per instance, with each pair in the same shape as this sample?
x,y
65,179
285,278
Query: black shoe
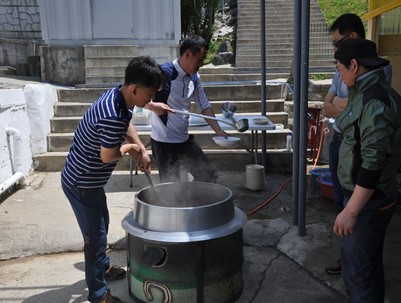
x,y
115,273
334,269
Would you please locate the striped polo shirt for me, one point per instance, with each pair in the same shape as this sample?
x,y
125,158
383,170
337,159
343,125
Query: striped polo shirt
x,y
104,124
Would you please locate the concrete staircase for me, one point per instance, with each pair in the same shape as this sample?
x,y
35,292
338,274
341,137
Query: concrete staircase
x,y
73,103
279,37
107,63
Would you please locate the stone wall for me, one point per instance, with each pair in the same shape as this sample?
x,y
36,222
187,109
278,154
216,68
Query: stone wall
x,y
20,34
20,19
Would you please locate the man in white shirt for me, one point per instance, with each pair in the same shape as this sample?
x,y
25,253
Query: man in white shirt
x,y
172,146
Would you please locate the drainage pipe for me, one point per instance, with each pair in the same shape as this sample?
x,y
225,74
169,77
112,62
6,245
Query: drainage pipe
x,y
16,160
11,181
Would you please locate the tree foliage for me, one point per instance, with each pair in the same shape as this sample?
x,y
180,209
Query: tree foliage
x,y
197,17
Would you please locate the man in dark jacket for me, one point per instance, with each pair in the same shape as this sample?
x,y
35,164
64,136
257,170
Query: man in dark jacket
x,y
370,155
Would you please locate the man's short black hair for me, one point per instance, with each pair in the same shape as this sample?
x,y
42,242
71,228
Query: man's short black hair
x,y
194,44
348,23
144,71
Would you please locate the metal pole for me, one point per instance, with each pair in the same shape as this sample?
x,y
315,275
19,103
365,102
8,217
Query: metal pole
x,y
296,101
263,73
303,115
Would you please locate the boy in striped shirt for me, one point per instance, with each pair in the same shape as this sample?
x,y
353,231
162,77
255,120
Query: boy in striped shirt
x,y
104,136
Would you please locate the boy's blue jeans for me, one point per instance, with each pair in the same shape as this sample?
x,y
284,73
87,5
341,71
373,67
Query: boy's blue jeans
x,y
362,252
90,209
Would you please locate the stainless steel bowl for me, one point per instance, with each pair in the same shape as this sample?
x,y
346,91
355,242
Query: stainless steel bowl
x,y
241,125
229,107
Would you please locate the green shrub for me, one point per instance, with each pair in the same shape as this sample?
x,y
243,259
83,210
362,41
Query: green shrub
x,y
213,47
332,9
318,77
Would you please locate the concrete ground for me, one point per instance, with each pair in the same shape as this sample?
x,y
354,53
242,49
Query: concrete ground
x,y
42,260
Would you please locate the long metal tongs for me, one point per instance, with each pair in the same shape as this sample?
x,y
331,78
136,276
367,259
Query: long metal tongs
x,y
240,125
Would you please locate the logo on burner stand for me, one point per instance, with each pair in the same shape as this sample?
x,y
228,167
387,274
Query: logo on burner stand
x,y
151,284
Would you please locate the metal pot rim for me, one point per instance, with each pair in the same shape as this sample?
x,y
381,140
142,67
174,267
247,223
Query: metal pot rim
x,y
184,207
131,227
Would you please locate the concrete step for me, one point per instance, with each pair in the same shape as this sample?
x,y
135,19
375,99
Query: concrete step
x,y
104,79
241,28
93,51
73,109
112,71
254,44
106,63
276,16
214,91
272,5
241,77
249,8
61,142
227,69
241,92
229,159
279,35
109,61
328,51
80,95
69,124
287,70
314,26
283,43
289,19
70,109
7,71
215,77
313,56
256,76
286,64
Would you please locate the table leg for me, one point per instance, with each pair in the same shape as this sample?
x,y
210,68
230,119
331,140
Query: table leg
x,y
130,170
254,134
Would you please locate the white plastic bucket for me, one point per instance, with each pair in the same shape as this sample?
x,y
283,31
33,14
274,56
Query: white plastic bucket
x,y
255,177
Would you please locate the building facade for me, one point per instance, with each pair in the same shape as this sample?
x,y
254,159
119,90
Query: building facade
x,y
78,41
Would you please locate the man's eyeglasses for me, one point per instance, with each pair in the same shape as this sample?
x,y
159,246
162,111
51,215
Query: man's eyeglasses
x,y
336,42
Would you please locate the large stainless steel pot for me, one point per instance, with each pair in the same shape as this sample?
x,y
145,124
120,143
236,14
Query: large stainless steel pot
x,y
187,247
189,211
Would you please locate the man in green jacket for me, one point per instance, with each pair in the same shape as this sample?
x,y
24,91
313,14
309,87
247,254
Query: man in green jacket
x,y
370,155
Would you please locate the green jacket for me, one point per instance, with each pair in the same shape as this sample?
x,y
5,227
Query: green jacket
x,y
370,152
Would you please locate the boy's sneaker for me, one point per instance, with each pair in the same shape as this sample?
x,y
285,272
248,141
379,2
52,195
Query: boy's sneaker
x,y
334,269
115,273
108,298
